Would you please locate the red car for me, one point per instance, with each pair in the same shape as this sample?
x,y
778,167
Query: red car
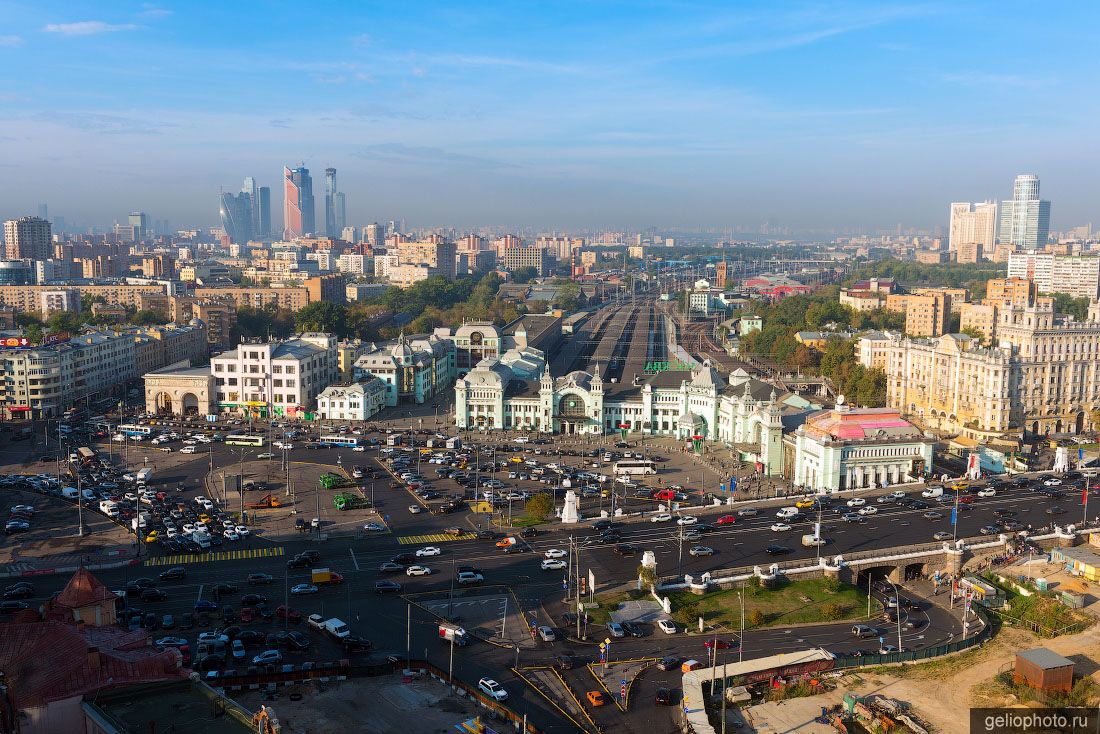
x,y
288,613
726,520
719,644
966,500
247,614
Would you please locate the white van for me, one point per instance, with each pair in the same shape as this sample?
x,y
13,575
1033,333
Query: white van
x,y
187,450
932,492
786,512
109,508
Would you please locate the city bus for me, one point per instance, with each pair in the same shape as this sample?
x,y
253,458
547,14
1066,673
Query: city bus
x,y
133,429
338,440
241,440
635,466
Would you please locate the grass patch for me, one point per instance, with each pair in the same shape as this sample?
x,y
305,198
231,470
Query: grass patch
x,y
794,602
526,522
1085,692
1045,612
610,602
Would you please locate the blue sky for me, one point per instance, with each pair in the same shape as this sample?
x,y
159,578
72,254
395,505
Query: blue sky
x,y
565,114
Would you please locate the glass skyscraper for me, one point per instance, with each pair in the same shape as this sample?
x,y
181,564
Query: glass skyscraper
x,y
299,211
1025,221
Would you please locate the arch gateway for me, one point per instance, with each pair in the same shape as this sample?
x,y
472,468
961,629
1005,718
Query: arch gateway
x,y
186,391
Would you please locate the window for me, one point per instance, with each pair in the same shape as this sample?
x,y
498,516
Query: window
x,y
290,369
278,383
290,383
232,381
277,369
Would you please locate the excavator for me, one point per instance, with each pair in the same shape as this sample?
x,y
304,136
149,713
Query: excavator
x,y
268,500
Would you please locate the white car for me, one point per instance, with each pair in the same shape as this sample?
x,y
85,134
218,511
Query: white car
x,y
553,564
987,492
780,527
555,553
187,450
303,589
265,455
868,510
430,550
896,495
492,689
359,449
418,571
241,530
667,626
663,517
415,509
857,502
687,520
1052,482
316,621
231,534
188,528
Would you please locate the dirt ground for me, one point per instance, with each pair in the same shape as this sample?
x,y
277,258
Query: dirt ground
x,y
938,691
337,708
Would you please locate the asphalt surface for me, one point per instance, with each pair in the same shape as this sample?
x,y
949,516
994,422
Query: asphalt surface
x,y
383,618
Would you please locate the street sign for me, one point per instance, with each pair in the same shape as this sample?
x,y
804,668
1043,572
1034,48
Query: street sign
x,y
211,418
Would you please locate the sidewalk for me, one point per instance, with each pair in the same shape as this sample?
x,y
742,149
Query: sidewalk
x,y
33,565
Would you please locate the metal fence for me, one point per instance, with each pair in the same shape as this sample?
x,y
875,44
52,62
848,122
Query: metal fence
x,y
928,653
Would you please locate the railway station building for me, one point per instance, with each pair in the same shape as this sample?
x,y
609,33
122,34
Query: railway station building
x,y
749,415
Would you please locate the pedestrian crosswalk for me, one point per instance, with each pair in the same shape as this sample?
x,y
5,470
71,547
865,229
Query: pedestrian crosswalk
x,y
179,559
433,538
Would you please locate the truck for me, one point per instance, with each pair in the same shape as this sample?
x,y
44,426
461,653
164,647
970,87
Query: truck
x,y
144,476
810,540
453,633
349,501
329,480
335,628
268,500
84,455
322,576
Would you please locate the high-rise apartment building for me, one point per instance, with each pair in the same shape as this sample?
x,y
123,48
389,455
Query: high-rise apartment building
x,y
435,253
1017,291
27,237
926,315
299,211
973,223
1078,276
376,234
1025,221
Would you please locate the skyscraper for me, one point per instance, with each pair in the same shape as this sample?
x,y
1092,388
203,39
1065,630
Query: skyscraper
x,y
27,237
335,212
973,223
253,191
236,216
299,211
139,224
1025,221
263,229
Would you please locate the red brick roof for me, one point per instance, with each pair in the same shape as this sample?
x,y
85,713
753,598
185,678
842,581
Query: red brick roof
x,y
83,590
51,660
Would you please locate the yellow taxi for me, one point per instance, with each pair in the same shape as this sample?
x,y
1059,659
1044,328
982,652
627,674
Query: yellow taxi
x,y
596,698
204,518
805,504
516,459
153,536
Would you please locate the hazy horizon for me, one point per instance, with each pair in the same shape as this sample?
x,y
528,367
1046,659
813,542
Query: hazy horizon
x,y
813,116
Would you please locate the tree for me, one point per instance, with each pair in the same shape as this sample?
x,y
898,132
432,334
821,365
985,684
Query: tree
x,y
146,317
757,618
647,576
524,274
569,297
1078,308
322,316
832,610
539,507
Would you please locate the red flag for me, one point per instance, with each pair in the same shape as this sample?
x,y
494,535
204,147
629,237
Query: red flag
x,y
1085,495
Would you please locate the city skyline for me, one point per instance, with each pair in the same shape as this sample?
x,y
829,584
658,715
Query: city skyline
x,y
816,116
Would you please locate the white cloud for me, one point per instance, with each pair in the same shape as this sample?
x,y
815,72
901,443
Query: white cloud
x,y
88,28
10,41
152,11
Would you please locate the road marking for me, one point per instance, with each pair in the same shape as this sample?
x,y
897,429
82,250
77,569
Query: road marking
x,y
353,559
201,587
433,538
210,557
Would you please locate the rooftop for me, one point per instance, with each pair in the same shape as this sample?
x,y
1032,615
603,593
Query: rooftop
x,y
83,590
860,424
163,706
1044,658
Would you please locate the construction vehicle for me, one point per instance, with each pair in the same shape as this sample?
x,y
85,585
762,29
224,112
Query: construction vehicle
x,y
453,633
322,576
349,501
268,500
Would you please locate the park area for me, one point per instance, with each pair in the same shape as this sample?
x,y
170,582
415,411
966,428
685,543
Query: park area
x,y
791,602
